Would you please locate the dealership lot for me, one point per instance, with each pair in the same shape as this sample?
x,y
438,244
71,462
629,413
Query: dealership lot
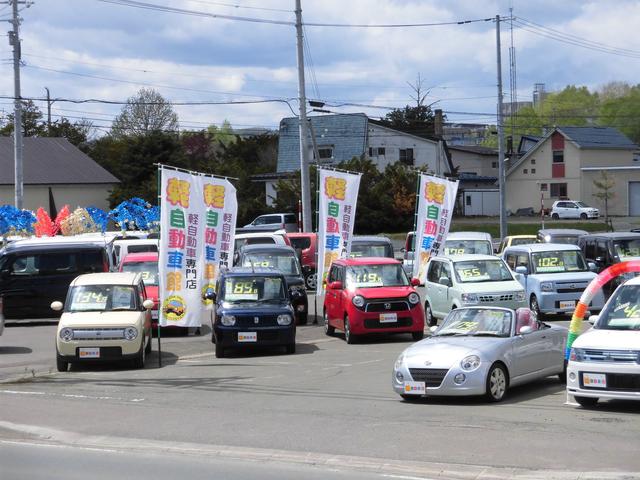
x,y
329,398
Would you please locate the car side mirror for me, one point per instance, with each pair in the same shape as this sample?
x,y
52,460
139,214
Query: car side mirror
x,y
57,306
337,285
415,282
433,328
593,319
592,266
209,295
525,329
444,281
147,304
296,294
522,270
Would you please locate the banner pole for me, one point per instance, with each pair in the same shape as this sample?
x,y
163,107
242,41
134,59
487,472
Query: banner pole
x,y
315,294
159,234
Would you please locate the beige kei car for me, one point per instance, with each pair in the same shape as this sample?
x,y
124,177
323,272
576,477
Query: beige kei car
x,y
106,318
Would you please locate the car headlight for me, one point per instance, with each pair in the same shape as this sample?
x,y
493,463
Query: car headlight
x,y
358,301
520,296
414,298
228,320
399,361
546,287
470,298
130,333
66,334
284,319
576,355
470,363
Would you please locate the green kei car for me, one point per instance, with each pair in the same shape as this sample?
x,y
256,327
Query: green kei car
x,y
465,280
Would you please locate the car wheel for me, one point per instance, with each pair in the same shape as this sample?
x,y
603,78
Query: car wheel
x,y
348,336
428,314
417,336
219,351
61,365
328,329
311,281
496,383
291,348
147,349
586,402
535,306
555,216
302,318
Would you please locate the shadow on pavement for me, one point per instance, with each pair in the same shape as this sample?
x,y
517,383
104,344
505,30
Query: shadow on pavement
x,y
253,352
35,323
4,350
151,362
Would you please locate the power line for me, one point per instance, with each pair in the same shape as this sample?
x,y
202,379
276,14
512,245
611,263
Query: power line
x,y
221,4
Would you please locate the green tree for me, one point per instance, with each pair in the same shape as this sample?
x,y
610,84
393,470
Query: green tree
x,y
418,119
223,135
32,124
623,113
145,113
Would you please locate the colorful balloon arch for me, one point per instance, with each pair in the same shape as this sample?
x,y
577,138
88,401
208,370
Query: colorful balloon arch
x,y
575,328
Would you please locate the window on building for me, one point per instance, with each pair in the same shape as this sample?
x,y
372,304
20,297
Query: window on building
x,y
525,171
543,187
381,151
533,161
406,156
494,164
558,190
325,153
370,152
533,170
558,156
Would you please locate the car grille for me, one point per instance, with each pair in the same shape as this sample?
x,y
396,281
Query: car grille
x,y
375,323
499,297
98,333
250,321
622,382
570,287
570,290
432,377
394,305
612,356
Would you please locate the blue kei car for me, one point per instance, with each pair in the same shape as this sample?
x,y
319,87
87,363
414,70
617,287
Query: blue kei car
x,y
252,307
554,276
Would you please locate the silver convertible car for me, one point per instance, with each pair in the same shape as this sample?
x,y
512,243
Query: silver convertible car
x,y
481,351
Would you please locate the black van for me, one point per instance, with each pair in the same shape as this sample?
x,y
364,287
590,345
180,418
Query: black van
x,y
34,273
606,249
371,246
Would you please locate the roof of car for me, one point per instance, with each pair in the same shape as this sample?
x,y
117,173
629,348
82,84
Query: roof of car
x,y
367,261
110,278
468,236
240,236
633,281
520,236
246,271
141,257
561,231
301,234
543,247
137,241
59,242
614,235
267,247
370,238
466,257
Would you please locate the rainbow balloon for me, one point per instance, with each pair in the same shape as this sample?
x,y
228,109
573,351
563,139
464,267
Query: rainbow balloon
x,y
575,328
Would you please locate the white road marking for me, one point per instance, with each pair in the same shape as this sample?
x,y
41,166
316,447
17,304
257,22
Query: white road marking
x,y
69,395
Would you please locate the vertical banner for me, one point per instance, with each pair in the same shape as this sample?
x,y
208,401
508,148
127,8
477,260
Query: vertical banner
x,y
337,212
436,200
198,219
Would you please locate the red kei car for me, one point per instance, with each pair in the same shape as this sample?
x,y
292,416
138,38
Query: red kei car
x,y
306,243
371,295
147,264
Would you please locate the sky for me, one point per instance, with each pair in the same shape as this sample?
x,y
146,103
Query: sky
x,y
105,50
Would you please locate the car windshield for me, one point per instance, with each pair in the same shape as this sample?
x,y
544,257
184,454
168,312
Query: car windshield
x,y
371,250
564,239
482,271
622,312
523,241
627,248
582,205
149,271
476,322
101,298
365,276
285,262
558,261
463,247
253,289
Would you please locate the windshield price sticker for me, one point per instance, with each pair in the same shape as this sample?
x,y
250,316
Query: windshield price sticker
x,y
415,388
473,273
454,251
94,298
549,264
367,279
629,251
240,290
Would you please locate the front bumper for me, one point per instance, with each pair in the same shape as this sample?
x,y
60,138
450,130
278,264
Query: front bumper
x,y
110,350
474,383
623,380
265,336
549,302
362,323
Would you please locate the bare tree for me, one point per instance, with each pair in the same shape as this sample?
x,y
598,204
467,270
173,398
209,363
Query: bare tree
x,y
606,191
146,112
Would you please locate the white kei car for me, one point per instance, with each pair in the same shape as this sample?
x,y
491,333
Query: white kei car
x,y
571,209
604,362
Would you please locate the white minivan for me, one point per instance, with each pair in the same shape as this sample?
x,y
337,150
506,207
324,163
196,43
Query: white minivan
x,y
604,362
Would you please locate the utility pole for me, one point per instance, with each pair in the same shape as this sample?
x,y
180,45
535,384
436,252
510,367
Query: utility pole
x,y
305,185
48,112
501,177
14,41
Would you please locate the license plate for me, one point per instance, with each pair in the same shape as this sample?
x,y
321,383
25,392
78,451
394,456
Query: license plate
x,y
415,388
388,317
568,304
89,352
247,336
594,380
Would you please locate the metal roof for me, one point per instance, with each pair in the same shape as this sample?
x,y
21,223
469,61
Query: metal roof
x,y
598,137
51,161
477,149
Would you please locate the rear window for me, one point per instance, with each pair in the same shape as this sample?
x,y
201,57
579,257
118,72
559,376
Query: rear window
x,y
371,250
142,248
58,263
290,219
300,242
